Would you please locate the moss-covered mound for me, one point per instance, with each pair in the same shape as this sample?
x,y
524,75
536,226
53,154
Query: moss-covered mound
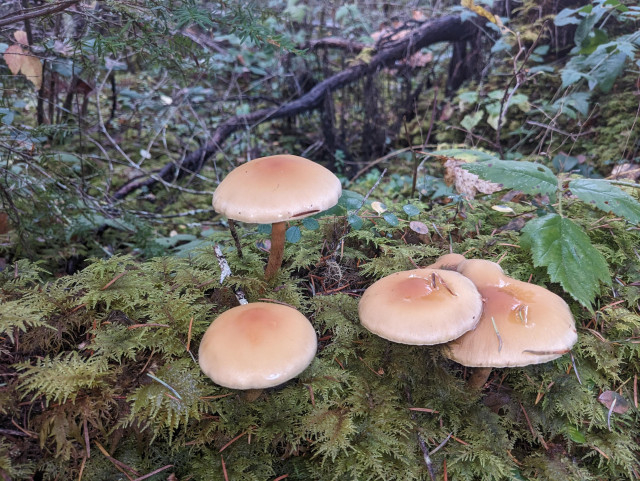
x,y
99,380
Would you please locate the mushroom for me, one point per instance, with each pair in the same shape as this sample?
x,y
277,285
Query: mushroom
x,y
420,306
521,324
274,190
257,345
448,261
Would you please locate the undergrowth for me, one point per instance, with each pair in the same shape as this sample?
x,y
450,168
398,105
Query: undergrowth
x,y
100,366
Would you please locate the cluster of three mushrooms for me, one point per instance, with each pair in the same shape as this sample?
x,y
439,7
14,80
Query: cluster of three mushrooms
x,y
260,345
486,318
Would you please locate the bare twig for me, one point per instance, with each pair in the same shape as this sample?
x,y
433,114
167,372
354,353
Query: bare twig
x,y
187,213
441,445
364,200
152,473
520,76
427,458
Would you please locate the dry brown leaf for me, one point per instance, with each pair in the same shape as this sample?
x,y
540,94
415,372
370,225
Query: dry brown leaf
x,y
21,37
465,182
418,16
626,171
418,227
13,57
447,112
615,400
20,61
419,60
32,69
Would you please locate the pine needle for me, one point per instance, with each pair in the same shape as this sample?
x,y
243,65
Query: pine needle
x,y
165,385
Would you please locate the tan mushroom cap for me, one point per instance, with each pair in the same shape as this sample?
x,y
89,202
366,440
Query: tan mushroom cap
x,y
420,306
534,324
448,261
275,189
257,345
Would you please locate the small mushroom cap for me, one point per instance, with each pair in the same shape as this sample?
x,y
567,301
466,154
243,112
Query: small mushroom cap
x,y
256,346
275,189
532,324
448,261
420,306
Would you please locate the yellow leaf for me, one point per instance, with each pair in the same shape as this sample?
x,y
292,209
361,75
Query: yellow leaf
x,y
482,12
379,207
21,37
13,56
366,54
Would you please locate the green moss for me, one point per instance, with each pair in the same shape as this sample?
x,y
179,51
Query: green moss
x,y
81,348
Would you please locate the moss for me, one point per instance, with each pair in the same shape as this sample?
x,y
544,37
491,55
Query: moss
x,y
348,415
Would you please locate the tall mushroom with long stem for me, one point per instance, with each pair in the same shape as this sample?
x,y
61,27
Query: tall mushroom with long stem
x,y
274,190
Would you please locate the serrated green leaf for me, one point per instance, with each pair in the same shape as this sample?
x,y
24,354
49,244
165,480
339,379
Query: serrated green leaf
x,y
610,70
468,155
468,97
593,40
411,210
607,197
293,234
565,250
586,26
570,76
471,120
390,218
528,177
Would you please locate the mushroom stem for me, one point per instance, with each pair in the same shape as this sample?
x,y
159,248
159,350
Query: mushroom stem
x,y
276,252
479,377
236,239
251,395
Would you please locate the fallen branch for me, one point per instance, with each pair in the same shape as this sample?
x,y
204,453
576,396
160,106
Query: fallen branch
x,y
445,29
39,11
335,42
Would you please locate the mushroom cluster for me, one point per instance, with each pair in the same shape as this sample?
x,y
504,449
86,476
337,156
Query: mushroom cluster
x,y
486,318
489,320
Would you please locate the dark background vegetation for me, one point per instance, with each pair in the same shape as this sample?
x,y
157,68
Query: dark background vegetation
x,y
109,154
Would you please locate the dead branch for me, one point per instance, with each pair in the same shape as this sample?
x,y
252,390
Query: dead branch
x,y
445,29
34,12
335,42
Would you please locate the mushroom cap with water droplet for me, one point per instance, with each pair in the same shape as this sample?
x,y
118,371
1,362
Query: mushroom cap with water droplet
x,y
257,345
532,325
420,306
276,189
